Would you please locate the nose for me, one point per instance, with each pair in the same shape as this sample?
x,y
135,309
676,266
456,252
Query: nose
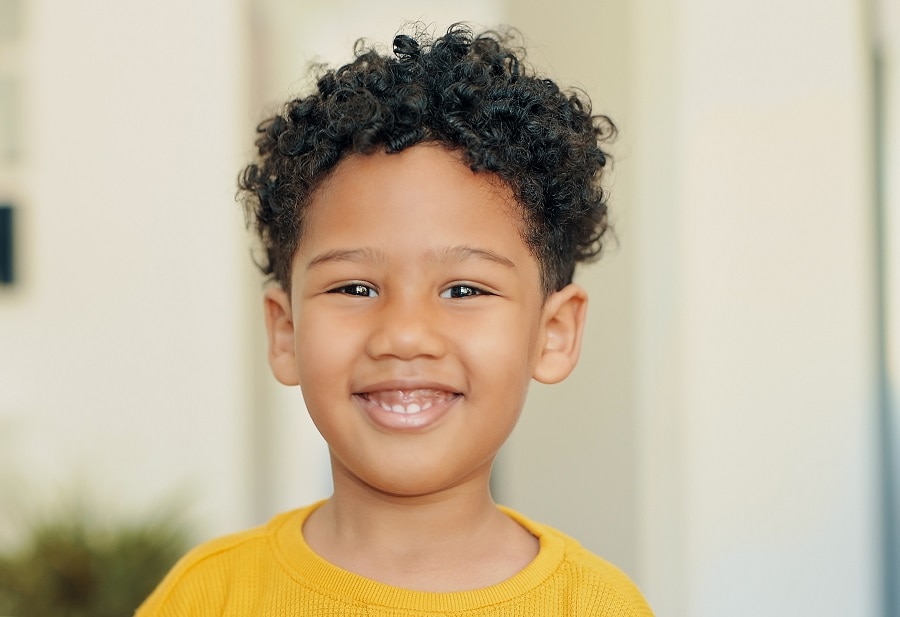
x,y
405,328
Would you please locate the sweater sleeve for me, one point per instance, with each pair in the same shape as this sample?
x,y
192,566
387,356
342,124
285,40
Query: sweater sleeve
x,y
605,590
190,588
199,584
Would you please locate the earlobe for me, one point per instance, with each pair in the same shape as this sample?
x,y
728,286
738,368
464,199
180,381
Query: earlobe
x,y
280,331
562,324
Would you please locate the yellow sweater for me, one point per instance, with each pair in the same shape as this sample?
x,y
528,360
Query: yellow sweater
x,y
270,571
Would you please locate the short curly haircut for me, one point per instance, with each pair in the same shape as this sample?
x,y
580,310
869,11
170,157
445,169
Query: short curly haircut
x,y
469,93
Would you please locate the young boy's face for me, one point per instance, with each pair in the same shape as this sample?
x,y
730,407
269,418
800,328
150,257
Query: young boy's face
x,y
416,320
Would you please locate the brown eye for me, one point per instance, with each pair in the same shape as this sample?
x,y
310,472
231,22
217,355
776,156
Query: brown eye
x,y
462,291
355,289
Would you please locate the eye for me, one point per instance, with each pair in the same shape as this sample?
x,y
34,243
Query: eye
x,y
463,291
355,289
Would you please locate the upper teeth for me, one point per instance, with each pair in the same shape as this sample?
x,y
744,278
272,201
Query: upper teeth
x,y
408,401
411,408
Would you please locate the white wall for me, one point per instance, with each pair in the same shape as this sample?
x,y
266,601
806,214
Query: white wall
x,y
120,374
756,360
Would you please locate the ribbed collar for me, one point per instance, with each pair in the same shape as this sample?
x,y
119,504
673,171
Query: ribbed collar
x,y
307,568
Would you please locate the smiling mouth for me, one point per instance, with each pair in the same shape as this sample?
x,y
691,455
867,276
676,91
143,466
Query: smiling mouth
x,y
409,401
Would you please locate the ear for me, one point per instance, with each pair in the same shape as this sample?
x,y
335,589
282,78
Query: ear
x,y
563,318
280,331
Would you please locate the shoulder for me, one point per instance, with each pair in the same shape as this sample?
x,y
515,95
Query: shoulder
x,y
600,583
200,583
591,584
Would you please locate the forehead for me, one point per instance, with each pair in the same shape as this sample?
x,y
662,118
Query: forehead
x,y
422,195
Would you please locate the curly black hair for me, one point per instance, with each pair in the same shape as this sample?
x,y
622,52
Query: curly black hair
x,y
469,93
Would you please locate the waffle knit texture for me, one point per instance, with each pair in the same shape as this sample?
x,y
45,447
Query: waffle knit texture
x,y
271,571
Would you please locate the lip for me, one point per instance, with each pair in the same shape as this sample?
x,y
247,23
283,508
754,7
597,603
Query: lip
x,y
406,420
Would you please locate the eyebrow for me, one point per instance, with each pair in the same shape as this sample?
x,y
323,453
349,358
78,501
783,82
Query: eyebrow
x,y
465,253
360,255
370,255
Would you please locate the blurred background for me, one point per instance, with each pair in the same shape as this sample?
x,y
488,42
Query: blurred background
x,y
728,439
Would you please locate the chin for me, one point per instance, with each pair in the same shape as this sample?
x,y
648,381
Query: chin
x,y
419,485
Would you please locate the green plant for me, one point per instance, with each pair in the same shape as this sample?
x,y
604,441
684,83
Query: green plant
x,y
69,566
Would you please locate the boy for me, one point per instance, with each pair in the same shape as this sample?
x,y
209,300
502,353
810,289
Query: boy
x,y
422,216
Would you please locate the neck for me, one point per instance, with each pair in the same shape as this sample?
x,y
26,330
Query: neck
x,y
450,540
363,514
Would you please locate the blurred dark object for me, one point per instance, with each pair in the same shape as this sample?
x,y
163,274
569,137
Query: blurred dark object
x,y
70,567
6,244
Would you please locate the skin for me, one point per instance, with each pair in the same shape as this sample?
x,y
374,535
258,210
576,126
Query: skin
x,y
413,290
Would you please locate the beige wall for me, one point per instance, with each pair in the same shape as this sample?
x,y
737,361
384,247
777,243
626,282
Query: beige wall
x,y
572,461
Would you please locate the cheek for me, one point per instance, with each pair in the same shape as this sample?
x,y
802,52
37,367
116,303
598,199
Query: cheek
x,y
500,370
509,340
320,348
